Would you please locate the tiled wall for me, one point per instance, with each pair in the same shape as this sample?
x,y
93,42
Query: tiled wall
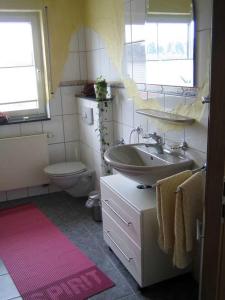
x,y
63,129
124,115
87,59
90,143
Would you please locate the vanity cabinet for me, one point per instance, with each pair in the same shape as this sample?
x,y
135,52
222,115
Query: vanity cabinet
x,y
130,229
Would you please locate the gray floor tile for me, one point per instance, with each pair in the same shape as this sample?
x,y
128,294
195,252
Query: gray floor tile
x,y
3,269
76,222
8,289
135,297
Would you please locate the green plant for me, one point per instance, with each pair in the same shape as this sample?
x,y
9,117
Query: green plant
x,y
101,88
101,95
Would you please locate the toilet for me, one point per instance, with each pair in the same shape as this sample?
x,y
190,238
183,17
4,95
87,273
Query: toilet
x,y
72,177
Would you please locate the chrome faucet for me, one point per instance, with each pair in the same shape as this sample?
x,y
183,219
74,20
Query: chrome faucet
x,y
158,141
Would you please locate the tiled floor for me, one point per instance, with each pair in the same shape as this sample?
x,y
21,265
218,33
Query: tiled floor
x,y
71,216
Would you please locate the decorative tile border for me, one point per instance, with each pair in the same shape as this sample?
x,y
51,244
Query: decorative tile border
x,y
143,88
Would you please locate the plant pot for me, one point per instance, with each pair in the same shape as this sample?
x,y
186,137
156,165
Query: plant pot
x,y
100,91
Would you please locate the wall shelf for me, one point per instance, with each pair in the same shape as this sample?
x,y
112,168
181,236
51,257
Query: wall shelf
x,y
166,116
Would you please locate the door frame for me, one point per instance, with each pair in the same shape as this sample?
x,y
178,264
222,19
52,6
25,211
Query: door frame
x,y
212,246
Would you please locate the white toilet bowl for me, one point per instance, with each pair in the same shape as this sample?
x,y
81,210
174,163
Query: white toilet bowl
x,y
72,177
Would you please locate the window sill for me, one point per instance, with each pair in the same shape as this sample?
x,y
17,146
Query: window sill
x,y
18,120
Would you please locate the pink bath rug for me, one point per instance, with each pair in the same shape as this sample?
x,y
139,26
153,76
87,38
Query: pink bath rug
x,y
43,263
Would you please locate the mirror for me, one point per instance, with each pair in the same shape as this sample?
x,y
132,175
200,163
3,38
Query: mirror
x,y
163,43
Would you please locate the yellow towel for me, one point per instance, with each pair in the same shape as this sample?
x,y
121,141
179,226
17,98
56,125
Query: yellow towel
x,y
188,208
165,196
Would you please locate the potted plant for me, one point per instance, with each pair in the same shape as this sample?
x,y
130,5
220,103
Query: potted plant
x,y
100,88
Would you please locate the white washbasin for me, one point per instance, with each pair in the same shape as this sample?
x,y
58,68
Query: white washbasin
x,y
143,164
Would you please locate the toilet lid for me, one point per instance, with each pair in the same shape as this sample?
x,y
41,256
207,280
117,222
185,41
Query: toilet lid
x,y
65,168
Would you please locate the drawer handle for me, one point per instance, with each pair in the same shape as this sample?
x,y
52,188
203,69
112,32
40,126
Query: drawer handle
x,y
116,213
121,251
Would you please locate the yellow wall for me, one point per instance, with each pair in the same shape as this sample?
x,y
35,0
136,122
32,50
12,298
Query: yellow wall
x,y
107,18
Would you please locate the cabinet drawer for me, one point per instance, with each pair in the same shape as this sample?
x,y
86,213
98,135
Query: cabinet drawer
x,y
123,214
124,248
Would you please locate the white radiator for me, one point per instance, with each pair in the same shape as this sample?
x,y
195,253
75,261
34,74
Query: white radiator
x,y
22,160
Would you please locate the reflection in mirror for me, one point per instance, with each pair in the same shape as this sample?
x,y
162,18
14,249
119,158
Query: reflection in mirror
x,y
169,42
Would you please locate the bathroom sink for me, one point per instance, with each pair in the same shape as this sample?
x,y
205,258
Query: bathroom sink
x,y
144,165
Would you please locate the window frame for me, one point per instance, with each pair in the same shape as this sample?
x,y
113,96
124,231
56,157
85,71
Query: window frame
x,y
41,63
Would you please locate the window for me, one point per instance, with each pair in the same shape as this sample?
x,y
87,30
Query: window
x,y
23,74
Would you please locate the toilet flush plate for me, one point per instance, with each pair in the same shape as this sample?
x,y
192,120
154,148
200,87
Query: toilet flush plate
x,y
87,115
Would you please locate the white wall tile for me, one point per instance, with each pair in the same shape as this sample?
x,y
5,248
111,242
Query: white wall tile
x,y
203,56
138,20
69,105
91,65
141,121
196,136
53,188
78,89
37,190
113,72
160,98
3,196
117,132
127,12
102,44
204,14
17,194
98,64
56,104
198,157
126,133
57,153
31,128
72,67
176,135
71,128
139,62
92,39
155,126
171,102
10,131
76,66
83,65
72,151
74,42
128,113
81,37
89,134
104,64
88,156
55,128
117,107
128,60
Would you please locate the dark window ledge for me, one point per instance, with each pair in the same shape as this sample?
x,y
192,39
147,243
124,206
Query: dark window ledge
x,y
19,120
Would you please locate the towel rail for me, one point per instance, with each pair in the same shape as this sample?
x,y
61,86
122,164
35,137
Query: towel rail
x,y
203,168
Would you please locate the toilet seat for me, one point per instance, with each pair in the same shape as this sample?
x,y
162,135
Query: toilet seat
x,y
66,168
